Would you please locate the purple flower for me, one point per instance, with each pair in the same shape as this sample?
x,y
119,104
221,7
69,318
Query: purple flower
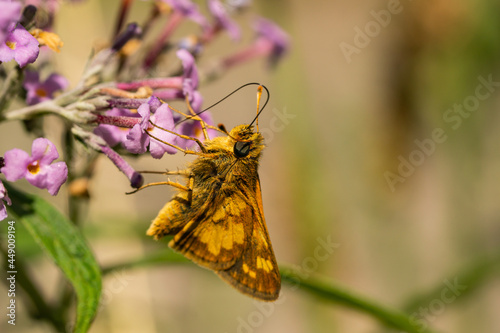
x,y
19,45
112,134
136,179
162,117
188,9
190,79
272,37
271,42
37,91
3,197
37,168
222,19
10,13
193,129
189,87
138,140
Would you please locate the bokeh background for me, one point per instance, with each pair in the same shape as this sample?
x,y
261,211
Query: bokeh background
x,y
352,118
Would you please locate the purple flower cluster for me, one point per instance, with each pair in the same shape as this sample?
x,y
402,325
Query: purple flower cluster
x,y
152,124
133,113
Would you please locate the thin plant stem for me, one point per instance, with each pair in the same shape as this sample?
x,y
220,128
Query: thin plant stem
x,y
9,85
329,291
471,277
321,287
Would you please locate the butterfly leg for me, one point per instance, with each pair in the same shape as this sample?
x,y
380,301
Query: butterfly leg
x,y
185,173
185,151
202,123
168,182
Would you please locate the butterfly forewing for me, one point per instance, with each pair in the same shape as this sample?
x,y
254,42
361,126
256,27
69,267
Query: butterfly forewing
x,y
256,273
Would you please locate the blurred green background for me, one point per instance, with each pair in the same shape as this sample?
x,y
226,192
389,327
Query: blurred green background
x,y
353,117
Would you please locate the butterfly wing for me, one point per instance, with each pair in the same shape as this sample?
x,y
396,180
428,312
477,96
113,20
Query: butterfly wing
x,y
256,272
226,233
215,235
172,217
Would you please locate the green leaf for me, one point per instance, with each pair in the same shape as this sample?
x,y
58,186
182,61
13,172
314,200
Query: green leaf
x,y
66,246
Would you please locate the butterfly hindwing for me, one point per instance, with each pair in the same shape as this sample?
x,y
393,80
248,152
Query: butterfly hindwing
x,y
172,217
215,237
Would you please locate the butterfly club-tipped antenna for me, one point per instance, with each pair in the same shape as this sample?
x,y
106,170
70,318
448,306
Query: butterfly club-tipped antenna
x,y
259,94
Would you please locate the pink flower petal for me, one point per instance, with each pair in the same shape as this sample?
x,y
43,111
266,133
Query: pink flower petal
x,y
44,151
53,83
163,118
57,175
16,164
137,141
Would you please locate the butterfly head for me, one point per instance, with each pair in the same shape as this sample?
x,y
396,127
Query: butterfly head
x,y
245,142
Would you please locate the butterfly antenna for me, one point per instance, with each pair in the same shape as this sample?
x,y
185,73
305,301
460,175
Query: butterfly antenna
x,y
259,94
226,97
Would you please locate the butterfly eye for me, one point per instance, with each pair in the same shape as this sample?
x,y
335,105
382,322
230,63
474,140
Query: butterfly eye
x,y
241,149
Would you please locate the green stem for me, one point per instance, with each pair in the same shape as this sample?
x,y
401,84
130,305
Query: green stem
x,y
160,257
327,290
321,287
66,292
57,106
472,277
32,110
9,85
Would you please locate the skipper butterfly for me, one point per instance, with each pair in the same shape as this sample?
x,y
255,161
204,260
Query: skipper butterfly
x,y
217,218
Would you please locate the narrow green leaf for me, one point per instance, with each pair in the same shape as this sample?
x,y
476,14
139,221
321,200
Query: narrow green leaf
x,y
66,246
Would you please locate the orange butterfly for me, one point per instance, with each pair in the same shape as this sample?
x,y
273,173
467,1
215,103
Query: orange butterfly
x,y
217,218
